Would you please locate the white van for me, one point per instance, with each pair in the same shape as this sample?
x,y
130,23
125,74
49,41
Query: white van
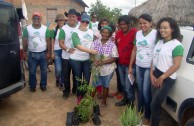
x,y
180,100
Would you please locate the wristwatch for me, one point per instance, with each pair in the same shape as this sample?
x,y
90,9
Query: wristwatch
x,y
67,49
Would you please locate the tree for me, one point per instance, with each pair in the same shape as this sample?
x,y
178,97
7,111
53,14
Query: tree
x,y
103,11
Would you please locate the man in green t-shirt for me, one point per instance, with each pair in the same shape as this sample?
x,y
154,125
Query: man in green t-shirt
x,y
36,40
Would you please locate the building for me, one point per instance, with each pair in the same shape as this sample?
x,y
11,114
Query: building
x,y
48,8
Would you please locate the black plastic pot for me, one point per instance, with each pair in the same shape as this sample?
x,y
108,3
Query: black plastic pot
x,y
75,117
69,119
96,109
96,120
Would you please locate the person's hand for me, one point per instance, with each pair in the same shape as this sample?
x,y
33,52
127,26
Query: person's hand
x,y
130,71
25,56
48,55
92,51
53,56
98,62
153,79
71,50
159,81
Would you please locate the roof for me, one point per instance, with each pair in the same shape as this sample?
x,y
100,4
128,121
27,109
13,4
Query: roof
x,y
82,3
181,10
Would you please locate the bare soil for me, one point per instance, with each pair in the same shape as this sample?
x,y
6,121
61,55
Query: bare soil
x,y
50,109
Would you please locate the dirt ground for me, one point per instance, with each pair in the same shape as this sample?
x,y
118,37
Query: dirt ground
x,y
50,109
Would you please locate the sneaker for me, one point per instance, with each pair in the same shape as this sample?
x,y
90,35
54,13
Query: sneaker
x,y
61,87
43,88
122,102
65,95
145,122
32,89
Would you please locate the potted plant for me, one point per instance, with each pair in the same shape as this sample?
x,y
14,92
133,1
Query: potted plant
x,y
130,117
87,108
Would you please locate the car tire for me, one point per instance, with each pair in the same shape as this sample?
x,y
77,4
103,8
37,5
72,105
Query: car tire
x,y
190,122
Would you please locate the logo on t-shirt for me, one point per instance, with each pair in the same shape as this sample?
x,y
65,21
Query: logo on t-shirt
x,y
88,37
36,39
143,43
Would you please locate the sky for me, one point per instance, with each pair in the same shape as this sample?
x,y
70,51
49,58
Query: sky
x,y
125,5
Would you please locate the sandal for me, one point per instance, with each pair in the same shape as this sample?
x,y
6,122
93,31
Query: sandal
x,y
99,96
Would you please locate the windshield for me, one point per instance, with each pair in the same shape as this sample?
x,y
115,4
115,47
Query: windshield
x,y
8,25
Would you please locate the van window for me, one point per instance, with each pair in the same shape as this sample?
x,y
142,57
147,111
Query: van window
x,y
190,56
8,23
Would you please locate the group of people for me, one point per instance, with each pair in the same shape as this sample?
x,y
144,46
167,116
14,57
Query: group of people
x,y
151,56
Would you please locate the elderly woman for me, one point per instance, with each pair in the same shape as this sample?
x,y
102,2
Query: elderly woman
x,y
82,39
168,54
105,60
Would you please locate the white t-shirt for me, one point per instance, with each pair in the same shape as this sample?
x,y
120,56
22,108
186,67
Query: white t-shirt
x,y
68,40
145,46
84,38
36,38
56,44
164,53
95,28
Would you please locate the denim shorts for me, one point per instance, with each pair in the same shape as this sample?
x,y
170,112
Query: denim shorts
x,y
103,80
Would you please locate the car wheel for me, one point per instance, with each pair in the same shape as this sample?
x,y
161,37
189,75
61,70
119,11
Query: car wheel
x,y
187,115
190,122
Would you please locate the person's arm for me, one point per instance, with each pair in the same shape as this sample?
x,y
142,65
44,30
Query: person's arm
x,y
77,44
133,56
25,43
52,43
62,43
152,77
177,62
48,42
103,62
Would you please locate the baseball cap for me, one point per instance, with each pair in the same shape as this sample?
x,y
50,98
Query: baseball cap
x,y
85,17
36,14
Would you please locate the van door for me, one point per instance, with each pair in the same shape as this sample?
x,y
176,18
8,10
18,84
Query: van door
x,y
10,70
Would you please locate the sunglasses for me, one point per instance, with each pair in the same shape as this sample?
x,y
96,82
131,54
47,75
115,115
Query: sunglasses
x,y
36,18
94,17
87,22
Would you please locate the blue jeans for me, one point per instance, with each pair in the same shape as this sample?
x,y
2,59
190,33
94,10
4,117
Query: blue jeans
x,y
81,70
159,95
103,80
66,73
119,86
127,88
58,64
36,59
144,90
